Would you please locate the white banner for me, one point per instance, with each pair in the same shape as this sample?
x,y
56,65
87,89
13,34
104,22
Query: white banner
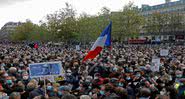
x,y
77,47
164,52
155,65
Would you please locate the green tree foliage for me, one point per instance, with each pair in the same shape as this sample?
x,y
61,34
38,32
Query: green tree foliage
x,y
159,23
62,24
87,27
90,27
65,25
30,31
127,23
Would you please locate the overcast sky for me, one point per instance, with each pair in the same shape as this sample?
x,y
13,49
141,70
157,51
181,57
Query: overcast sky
x,y
35,10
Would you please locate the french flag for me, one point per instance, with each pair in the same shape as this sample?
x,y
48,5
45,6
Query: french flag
x,y
103,40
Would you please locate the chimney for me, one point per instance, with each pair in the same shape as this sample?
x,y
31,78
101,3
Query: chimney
x,y
167,1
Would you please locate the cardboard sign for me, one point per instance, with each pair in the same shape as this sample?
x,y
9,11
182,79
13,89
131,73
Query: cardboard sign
x,y
164,52
155,65
45,69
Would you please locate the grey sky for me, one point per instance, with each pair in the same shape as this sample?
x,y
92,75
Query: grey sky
x,y
20,10
9,2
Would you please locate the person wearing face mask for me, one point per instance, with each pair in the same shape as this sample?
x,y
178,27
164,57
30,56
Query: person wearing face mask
x,y
13,72
39,90
128,78
30,87
25,79
8,85
102,92
178,74
144,93
181,89
50,91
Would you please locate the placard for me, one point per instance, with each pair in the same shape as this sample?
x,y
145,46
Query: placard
x,y
45,69
164,52
77,47
155,65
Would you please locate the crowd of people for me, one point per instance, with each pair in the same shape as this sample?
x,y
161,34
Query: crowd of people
x,y
122,72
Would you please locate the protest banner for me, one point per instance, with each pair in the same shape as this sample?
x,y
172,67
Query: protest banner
x,y
155,65
45,69
164,52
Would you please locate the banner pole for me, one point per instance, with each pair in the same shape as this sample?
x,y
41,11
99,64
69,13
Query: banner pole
x,y
45,86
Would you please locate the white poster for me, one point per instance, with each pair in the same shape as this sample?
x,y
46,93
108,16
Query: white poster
x,y
164,52
155,65
77,47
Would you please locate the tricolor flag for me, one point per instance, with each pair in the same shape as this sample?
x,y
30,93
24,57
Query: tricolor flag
x,y
103,40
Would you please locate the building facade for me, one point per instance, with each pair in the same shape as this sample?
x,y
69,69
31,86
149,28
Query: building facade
x,y
172,8
7,29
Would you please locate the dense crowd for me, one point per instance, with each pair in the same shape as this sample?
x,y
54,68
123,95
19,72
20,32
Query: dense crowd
x,y
120,72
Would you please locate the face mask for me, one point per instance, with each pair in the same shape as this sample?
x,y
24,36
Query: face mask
x,y
155,77
120,84
51,94
95,77
128,78
21,65
170,78
3,64
25,77
89,87
102,92
138,75
115,69
179,76
131,70
90,93
59,93
19,71
68,74
50,88
9,82
88,81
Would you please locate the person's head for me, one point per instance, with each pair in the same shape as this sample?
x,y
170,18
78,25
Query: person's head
x,y
121,92
12,70
35,82
64,89
15,95
25,76
69,96
85,97
145,92
9,81
31,86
